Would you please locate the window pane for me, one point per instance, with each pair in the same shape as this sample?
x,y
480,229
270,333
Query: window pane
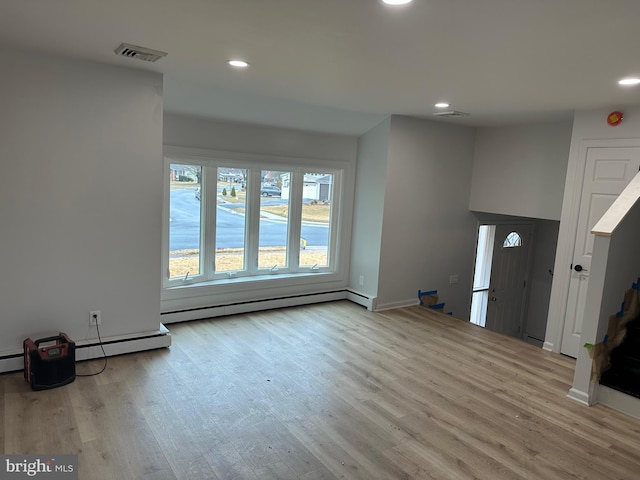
x,y
274,219
184,220
227,218
512,240
231,219
479,308
484,256
317,198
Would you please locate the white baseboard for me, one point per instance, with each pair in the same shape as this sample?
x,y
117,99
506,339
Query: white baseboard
x,y
391,305
361,299
579,396
255,306
88,349
548,346
11,363
622,402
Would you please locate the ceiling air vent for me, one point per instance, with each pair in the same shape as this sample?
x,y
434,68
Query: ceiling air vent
x,y
140,53
451,113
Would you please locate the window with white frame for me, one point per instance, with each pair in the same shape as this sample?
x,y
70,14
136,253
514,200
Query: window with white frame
x,y
236,218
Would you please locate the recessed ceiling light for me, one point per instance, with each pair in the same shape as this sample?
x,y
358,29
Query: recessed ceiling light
x,y
396,2
442,105
629,81
238,63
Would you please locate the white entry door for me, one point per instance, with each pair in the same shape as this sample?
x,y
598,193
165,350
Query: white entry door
x,y
608,170
505,308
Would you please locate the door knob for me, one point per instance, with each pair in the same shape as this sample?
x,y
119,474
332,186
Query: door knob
x,y
494,299
578,268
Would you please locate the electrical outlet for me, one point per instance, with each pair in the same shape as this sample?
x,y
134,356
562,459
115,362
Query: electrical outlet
x,y
94,318
361,280
453,279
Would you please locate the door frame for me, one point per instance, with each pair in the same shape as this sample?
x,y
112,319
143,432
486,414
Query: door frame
x,y
567,234
514,221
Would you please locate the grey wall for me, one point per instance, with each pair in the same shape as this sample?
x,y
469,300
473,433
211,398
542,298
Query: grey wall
x,y
428,232
368,208
80,203
520,170
540,279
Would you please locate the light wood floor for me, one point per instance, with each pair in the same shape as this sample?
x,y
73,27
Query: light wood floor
x,y
325,392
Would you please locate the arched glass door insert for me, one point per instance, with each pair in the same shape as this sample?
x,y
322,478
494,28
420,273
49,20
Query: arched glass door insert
x,y
513,239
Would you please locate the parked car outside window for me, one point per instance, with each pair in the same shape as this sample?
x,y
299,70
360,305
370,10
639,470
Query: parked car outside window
x,y
270,192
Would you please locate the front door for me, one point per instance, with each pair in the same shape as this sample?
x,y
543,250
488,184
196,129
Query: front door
x,y
608,170
505,308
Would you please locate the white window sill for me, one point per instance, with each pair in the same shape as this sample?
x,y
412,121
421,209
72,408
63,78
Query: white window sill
x,y
267,280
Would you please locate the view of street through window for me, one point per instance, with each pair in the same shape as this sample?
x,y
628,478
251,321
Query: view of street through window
x,y
185,229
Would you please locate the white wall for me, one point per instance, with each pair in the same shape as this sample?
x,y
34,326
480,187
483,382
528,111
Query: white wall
x,y
428,232
80,198
368,207
520,170
215,135
588,125
184,131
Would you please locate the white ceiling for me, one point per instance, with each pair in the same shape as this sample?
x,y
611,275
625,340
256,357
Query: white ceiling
x,y
343,65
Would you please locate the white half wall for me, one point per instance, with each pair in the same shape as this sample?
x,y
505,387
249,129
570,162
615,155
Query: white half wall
x,y
428,232
520,170
80,198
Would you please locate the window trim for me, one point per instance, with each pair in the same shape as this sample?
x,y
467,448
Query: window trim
x,y
211,160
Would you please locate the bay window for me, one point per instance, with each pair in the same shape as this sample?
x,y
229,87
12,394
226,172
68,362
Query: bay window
x,y
248,217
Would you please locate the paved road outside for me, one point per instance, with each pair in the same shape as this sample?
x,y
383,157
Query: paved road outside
x,y
184,229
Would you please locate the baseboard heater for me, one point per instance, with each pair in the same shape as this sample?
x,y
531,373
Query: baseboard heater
x,y
232,308
89,349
